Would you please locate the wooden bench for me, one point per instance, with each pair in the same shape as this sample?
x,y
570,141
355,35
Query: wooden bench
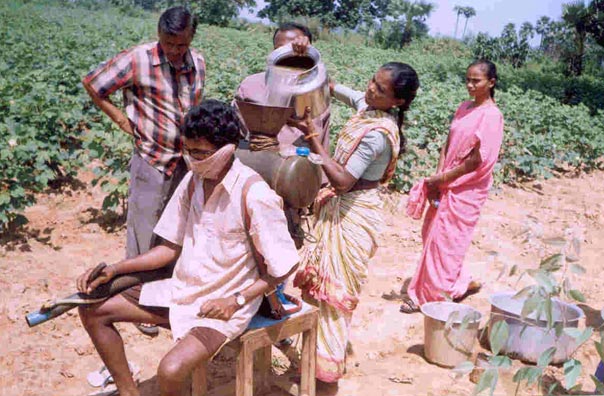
x,y
258,340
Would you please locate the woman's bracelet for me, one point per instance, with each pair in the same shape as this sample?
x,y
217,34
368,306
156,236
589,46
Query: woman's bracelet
x,y
311,135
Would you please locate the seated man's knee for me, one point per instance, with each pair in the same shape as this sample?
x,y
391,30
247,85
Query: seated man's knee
x,y
180,362
88,314
171,370
95,314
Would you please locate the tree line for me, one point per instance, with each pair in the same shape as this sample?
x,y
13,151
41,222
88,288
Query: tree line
x,y
580,32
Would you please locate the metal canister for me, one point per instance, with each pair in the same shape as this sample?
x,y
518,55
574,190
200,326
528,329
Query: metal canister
x,y
294,178
297,81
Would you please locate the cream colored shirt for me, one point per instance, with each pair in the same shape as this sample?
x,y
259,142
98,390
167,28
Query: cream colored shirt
x,y
216,260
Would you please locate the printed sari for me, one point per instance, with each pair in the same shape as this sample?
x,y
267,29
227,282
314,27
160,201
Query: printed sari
x,y
346,230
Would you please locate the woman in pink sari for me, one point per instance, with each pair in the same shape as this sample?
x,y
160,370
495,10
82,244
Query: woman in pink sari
x,y
456,193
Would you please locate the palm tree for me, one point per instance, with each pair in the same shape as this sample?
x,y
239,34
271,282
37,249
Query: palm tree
x,y
596,25
468,12
414,15
543,29
459,11
577,16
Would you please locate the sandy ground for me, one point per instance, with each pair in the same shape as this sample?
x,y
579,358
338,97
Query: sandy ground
x,y
66,235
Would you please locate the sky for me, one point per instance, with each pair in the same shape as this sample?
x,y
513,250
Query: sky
x,y
491,15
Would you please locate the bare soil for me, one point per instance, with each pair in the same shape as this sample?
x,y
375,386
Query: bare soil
x,y
67,234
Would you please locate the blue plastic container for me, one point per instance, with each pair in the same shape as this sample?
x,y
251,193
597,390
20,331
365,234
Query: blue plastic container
x,y
302,151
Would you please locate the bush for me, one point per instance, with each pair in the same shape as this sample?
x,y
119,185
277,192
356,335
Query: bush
x,y
50,128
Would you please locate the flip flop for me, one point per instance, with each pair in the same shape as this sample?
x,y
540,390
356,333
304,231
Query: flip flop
x,y
110,390
102,377
408,306
147,329
98,378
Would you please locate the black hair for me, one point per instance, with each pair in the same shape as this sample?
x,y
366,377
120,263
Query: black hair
x,y
405,84
176,20
490,70
213,120
287,26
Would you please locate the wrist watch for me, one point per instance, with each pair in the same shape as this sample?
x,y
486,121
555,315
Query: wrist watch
x,y
239,299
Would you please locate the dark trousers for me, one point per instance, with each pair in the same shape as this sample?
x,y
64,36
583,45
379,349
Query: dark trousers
x,y
149,192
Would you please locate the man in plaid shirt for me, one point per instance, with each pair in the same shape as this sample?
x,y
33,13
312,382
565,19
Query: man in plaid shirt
x,y
160,81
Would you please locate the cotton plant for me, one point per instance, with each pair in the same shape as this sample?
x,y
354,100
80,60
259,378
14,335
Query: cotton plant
x,y
552,279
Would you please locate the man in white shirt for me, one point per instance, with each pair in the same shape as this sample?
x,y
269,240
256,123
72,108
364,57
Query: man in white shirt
x,y
215,289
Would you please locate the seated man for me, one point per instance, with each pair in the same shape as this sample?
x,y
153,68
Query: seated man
x,y
215,289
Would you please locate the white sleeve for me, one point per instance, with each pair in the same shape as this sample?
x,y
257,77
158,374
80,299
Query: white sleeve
x,y
269,231
173,221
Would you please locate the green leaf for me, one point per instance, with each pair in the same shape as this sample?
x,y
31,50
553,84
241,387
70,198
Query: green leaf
x,y
552,388
572,370
488,380
452,318
577,269
552,263
546,357
528,374
463,368
559,329
585,335
576,295
525,292
598,383
4,197
544,280
573,332
549,312
465,322
566,286
530,305
499,336
500,361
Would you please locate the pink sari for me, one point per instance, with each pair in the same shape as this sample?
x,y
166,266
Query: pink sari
x,y
447,231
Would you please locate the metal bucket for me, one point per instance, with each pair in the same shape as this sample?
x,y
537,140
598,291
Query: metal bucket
x,y
449,346
528,338
267,120
297,81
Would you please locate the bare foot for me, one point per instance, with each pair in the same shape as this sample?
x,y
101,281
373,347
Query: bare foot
x,y
473,288
327,388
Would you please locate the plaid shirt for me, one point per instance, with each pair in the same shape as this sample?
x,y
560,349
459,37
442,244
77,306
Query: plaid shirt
x,y
156,97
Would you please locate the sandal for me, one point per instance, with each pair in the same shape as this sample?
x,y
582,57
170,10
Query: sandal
x,y
408,306
102,378
147,329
